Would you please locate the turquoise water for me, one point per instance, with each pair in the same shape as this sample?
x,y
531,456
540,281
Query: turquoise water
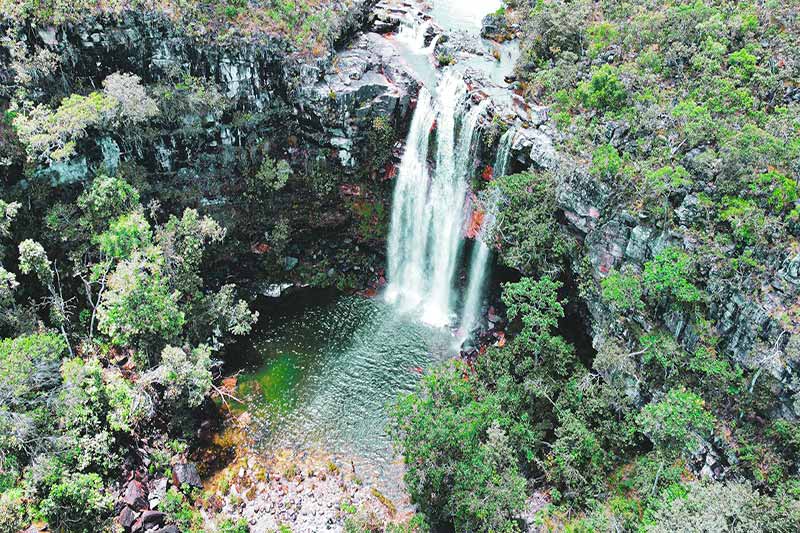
x,y
323,368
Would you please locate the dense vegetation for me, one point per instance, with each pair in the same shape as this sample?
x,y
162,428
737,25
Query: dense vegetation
x,y
116,299
664,102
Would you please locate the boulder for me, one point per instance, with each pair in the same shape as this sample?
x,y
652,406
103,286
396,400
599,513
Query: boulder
x,y
148,521
127,517
135,495
495,26
167,529
186,474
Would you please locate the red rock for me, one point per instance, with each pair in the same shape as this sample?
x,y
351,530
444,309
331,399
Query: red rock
x,y
475,224
135,495
126,517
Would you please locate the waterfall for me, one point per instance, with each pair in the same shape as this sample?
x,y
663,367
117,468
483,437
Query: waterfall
x,y
480,261
413,36
425,237
504,153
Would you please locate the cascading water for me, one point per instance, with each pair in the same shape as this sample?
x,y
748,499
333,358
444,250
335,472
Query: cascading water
x,y
481,251
504,153
413,35
428,211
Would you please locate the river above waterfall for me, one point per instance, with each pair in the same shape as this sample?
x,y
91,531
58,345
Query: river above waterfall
x,y
322,368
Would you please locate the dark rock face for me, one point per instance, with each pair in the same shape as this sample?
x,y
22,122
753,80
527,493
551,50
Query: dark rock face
x,y
327,104
126,518
148,521
749,332
367,81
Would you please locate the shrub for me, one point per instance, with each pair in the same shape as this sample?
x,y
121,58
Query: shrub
x,y
746,219
606,162
678,422
667,275
531,237
605,91
51,135
460,467
186,376
78,504
139,308
743,64
730,507
623,291
12,511
125,235
106,199
29,364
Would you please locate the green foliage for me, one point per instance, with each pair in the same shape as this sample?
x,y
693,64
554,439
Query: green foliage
x,y
380,140
139,309
27,364
531,238
12,511
745,218
51,135
33,260
606,162
230,526
179,510
78,504
105,200
554,27
91,413
678,422
667,275
125,235
186,376
623,291
660,347
459,464
601,35
604,92
743,64
536,304
271,176
781,190
730,507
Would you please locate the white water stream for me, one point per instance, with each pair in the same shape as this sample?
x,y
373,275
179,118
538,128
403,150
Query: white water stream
x,y
430,209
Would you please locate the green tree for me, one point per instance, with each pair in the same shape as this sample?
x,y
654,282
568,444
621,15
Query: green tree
x,y
460,467
605,91
678,422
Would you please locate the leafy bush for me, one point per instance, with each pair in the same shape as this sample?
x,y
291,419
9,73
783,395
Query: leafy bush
x,y
531,238
606,162
730,507
78,504
623,291
460,467
667,276
678,422
605,91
